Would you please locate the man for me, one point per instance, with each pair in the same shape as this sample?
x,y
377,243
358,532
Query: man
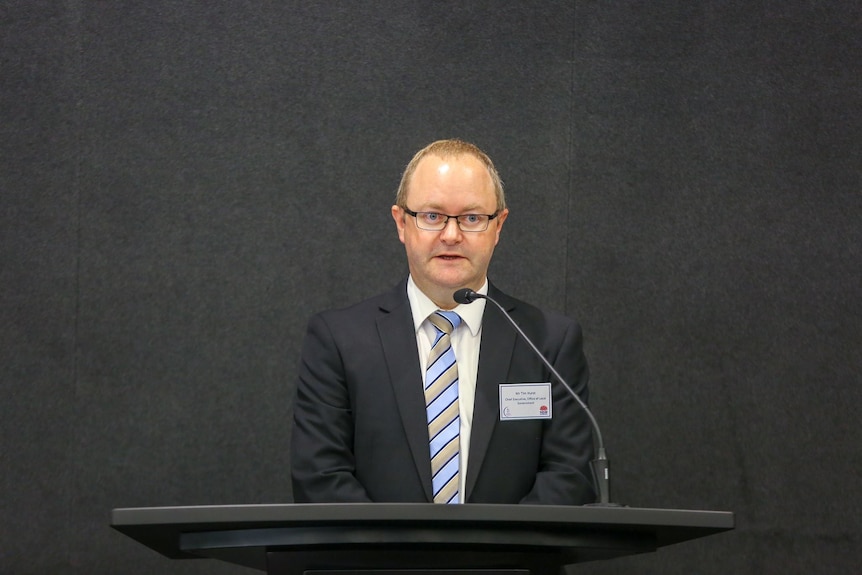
x,y
369,409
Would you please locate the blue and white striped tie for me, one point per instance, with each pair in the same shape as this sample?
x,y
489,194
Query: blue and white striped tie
x,y
441,406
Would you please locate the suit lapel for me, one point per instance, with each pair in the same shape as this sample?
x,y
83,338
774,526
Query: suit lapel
x,y
398,339
495,356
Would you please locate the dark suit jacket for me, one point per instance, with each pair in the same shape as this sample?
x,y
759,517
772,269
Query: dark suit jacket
x,y
360,432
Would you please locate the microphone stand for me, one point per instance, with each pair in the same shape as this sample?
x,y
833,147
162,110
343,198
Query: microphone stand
x,y
601,464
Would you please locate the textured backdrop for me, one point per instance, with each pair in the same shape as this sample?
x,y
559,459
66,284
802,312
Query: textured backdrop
x,y
183,183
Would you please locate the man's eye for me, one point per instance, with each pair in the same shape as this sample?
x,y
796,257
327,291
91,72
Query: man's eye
x,y
431,217
471,218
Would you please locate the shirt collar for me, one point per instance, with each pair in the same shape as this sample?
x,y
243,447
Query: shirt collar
x,y
422,306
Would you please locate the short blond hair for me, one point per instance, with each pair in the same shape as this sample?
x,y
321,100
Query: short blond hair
x,y
447,149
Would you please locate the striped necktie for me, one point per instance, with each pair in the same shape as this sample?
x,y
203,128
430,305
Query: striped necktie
x,y
441,406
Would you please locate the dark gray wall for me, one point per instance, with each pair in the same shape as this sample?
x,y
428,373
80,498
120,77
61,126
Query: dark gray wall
x,y
183,183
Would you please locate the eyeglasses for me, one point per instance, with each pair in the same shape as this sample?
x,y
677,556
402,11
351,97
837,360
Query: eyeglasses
x,y
436,222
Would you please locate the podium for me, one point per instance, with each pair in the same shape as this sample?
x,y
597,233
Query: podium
x,y
414,539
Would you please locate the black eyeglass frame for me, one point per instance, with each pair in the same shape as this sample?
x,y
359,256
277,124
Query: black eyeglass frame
x,y
448,217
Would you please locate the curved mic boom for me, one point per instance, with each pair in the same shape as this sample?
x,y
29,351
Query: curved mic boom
x,y
601,464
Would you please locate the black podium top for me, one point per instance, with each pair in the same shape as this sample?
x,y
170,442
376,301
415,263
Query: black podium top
x,y
410,535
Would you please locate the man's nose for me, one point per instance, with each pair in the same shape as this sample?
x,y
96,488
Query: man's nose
x,y
451,232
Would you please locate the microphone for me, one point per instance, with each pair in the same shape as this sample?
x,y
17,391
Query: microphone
x,y
600,465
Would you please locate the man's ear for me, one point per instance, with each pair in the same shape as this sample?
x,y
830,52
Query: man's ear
x,y
398,216
500,219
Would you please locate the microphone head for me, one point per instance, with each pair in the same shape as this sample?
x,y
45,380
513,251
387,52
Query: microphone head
x,y
465,295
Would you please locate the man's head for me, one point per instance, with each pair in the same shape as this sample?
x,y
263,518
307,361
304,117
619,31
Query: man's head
x,y
450,178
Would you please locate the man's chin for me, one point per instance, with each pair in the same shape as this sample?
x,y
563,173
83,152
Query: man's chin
x,y
452,274
453,282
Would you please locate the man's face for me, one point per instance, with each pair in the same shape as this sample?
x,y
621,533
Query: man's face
x,y
445,261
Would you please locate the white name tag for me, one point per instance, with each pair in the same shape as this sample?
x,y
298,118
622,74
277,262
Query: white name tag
x,y
525,401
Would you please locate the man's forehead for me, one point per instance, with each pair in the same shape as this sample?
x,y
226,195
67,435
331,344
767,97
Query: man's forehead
x,y
432,167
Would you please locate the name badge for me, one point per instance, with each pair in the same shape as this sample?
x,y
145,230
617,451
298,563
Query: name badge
x,y
525,401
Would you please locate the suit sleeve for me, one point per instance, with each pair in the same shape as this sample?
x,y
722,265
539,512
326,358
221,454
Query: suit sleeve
x,y
564,476
322,439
